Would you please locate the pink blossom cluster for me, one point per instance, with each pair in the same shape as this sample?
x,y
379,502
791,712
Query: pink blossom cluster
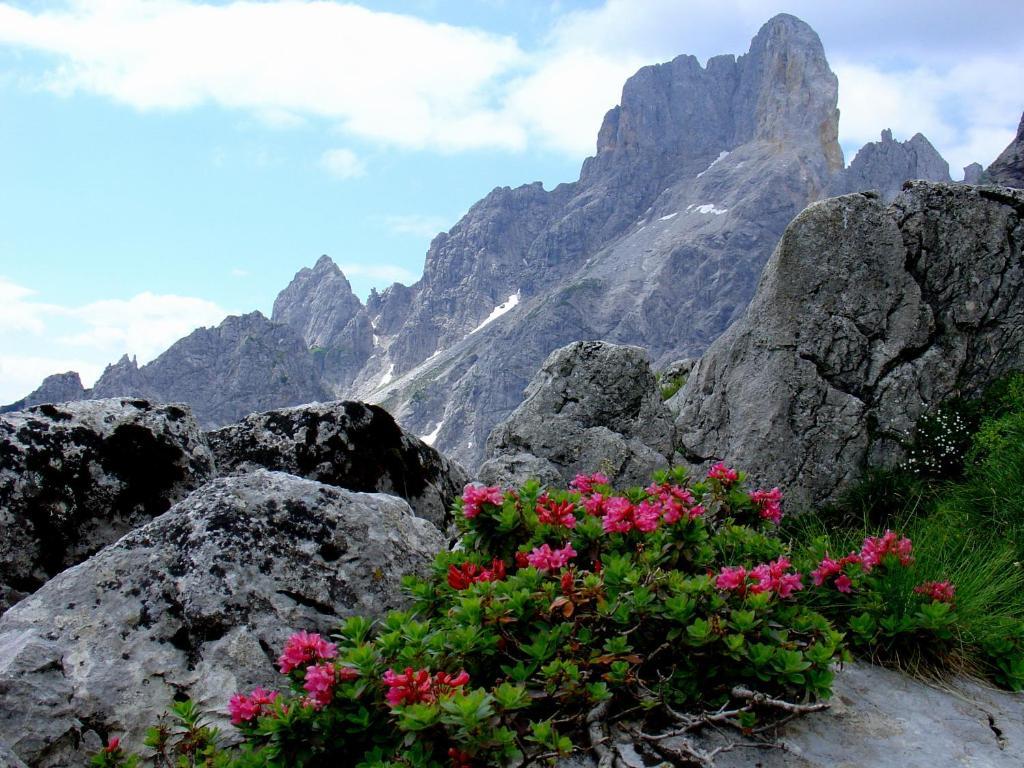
x,y
460,577
769,504
550,512
544,558
303,647
621,516
244,709
675,502
417,686
875,549
940,591
473,496
829,568
723,474
767,577
586,483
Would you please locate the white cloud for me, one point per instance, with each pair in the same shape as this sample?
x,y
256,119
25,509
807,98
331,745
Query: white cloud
x,y
88,337
343,163
383,76
239,272
418,225
390,272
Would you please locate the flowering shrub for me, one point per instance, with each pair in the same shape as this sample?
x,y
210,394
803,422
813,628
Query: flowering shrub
x,y
940,443
563,610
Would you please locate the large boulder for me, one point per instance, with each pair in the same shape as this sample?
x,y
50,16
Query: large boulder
x,y
347,444
197,603
76,477
865,317
592,406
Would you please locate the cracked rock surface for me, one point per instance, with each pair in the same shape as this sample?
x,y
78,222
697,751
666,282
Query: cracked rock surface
x,y
865,317
198,602
78,476
593,406
348,444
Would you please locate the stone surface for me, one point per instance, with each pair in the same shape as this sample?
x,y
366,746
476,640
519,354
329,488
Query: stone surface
x,y
198,602
1008,168
592,407
78,476
865,317
347,444
244,365
883,166
879,719
58,388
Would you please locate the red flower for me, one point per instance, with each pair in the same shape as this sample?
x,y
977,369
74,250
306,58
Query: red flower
x,y
555,513
939,591
462,576
113,744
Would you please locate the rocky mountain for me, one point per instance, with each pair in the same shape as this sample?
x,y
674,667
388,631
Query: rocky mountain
x,y
58,388
884,166
659,243
1008,168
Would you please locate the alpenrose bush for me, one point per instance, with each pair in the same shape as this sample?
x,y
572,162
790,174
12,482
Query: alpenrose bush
x,y
559,613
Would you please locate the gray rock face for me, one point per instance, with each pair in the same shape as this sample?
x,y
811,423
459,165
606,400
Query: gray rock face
x,y
76,477
1008,168
884,165
882,719
245,365
58,388
320,306
346,444
973,173
198,602
593,406
864,317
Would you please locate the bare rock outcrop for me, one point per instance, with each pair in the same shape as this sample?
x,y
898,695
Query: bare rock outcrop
x,y
347,444
864,318
1008,168
198,603
78,476
593,406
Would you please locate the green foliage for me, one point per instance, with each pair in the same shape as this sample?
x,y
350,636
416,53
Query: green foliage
x,y
671,386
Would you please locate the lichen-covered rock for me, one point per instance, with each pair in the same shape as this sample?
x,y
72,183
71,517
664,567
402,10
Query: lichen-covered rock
x,y
198,602
347,444
865,318
593,406
78,476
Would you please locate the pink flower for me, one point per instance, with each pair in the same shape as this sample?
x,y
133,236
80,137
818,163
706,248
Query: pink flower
x,y
769,504
460,577
618,515
303,647
594,505
473,496
723,474
939,591
877,547
674,501
646,516
413,687
829,568
244,709
733,578
408,687
843,584
113,744
555,513
586,483
544,558
320,679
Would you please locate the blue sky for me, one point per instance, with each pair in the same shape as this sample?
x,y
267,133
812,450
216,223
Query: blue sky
x,y
167,162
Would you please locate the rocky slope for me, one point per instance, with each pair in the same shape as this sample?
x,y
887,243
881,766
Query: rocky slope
x,y
866,317
658,243
58,388
1008,168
